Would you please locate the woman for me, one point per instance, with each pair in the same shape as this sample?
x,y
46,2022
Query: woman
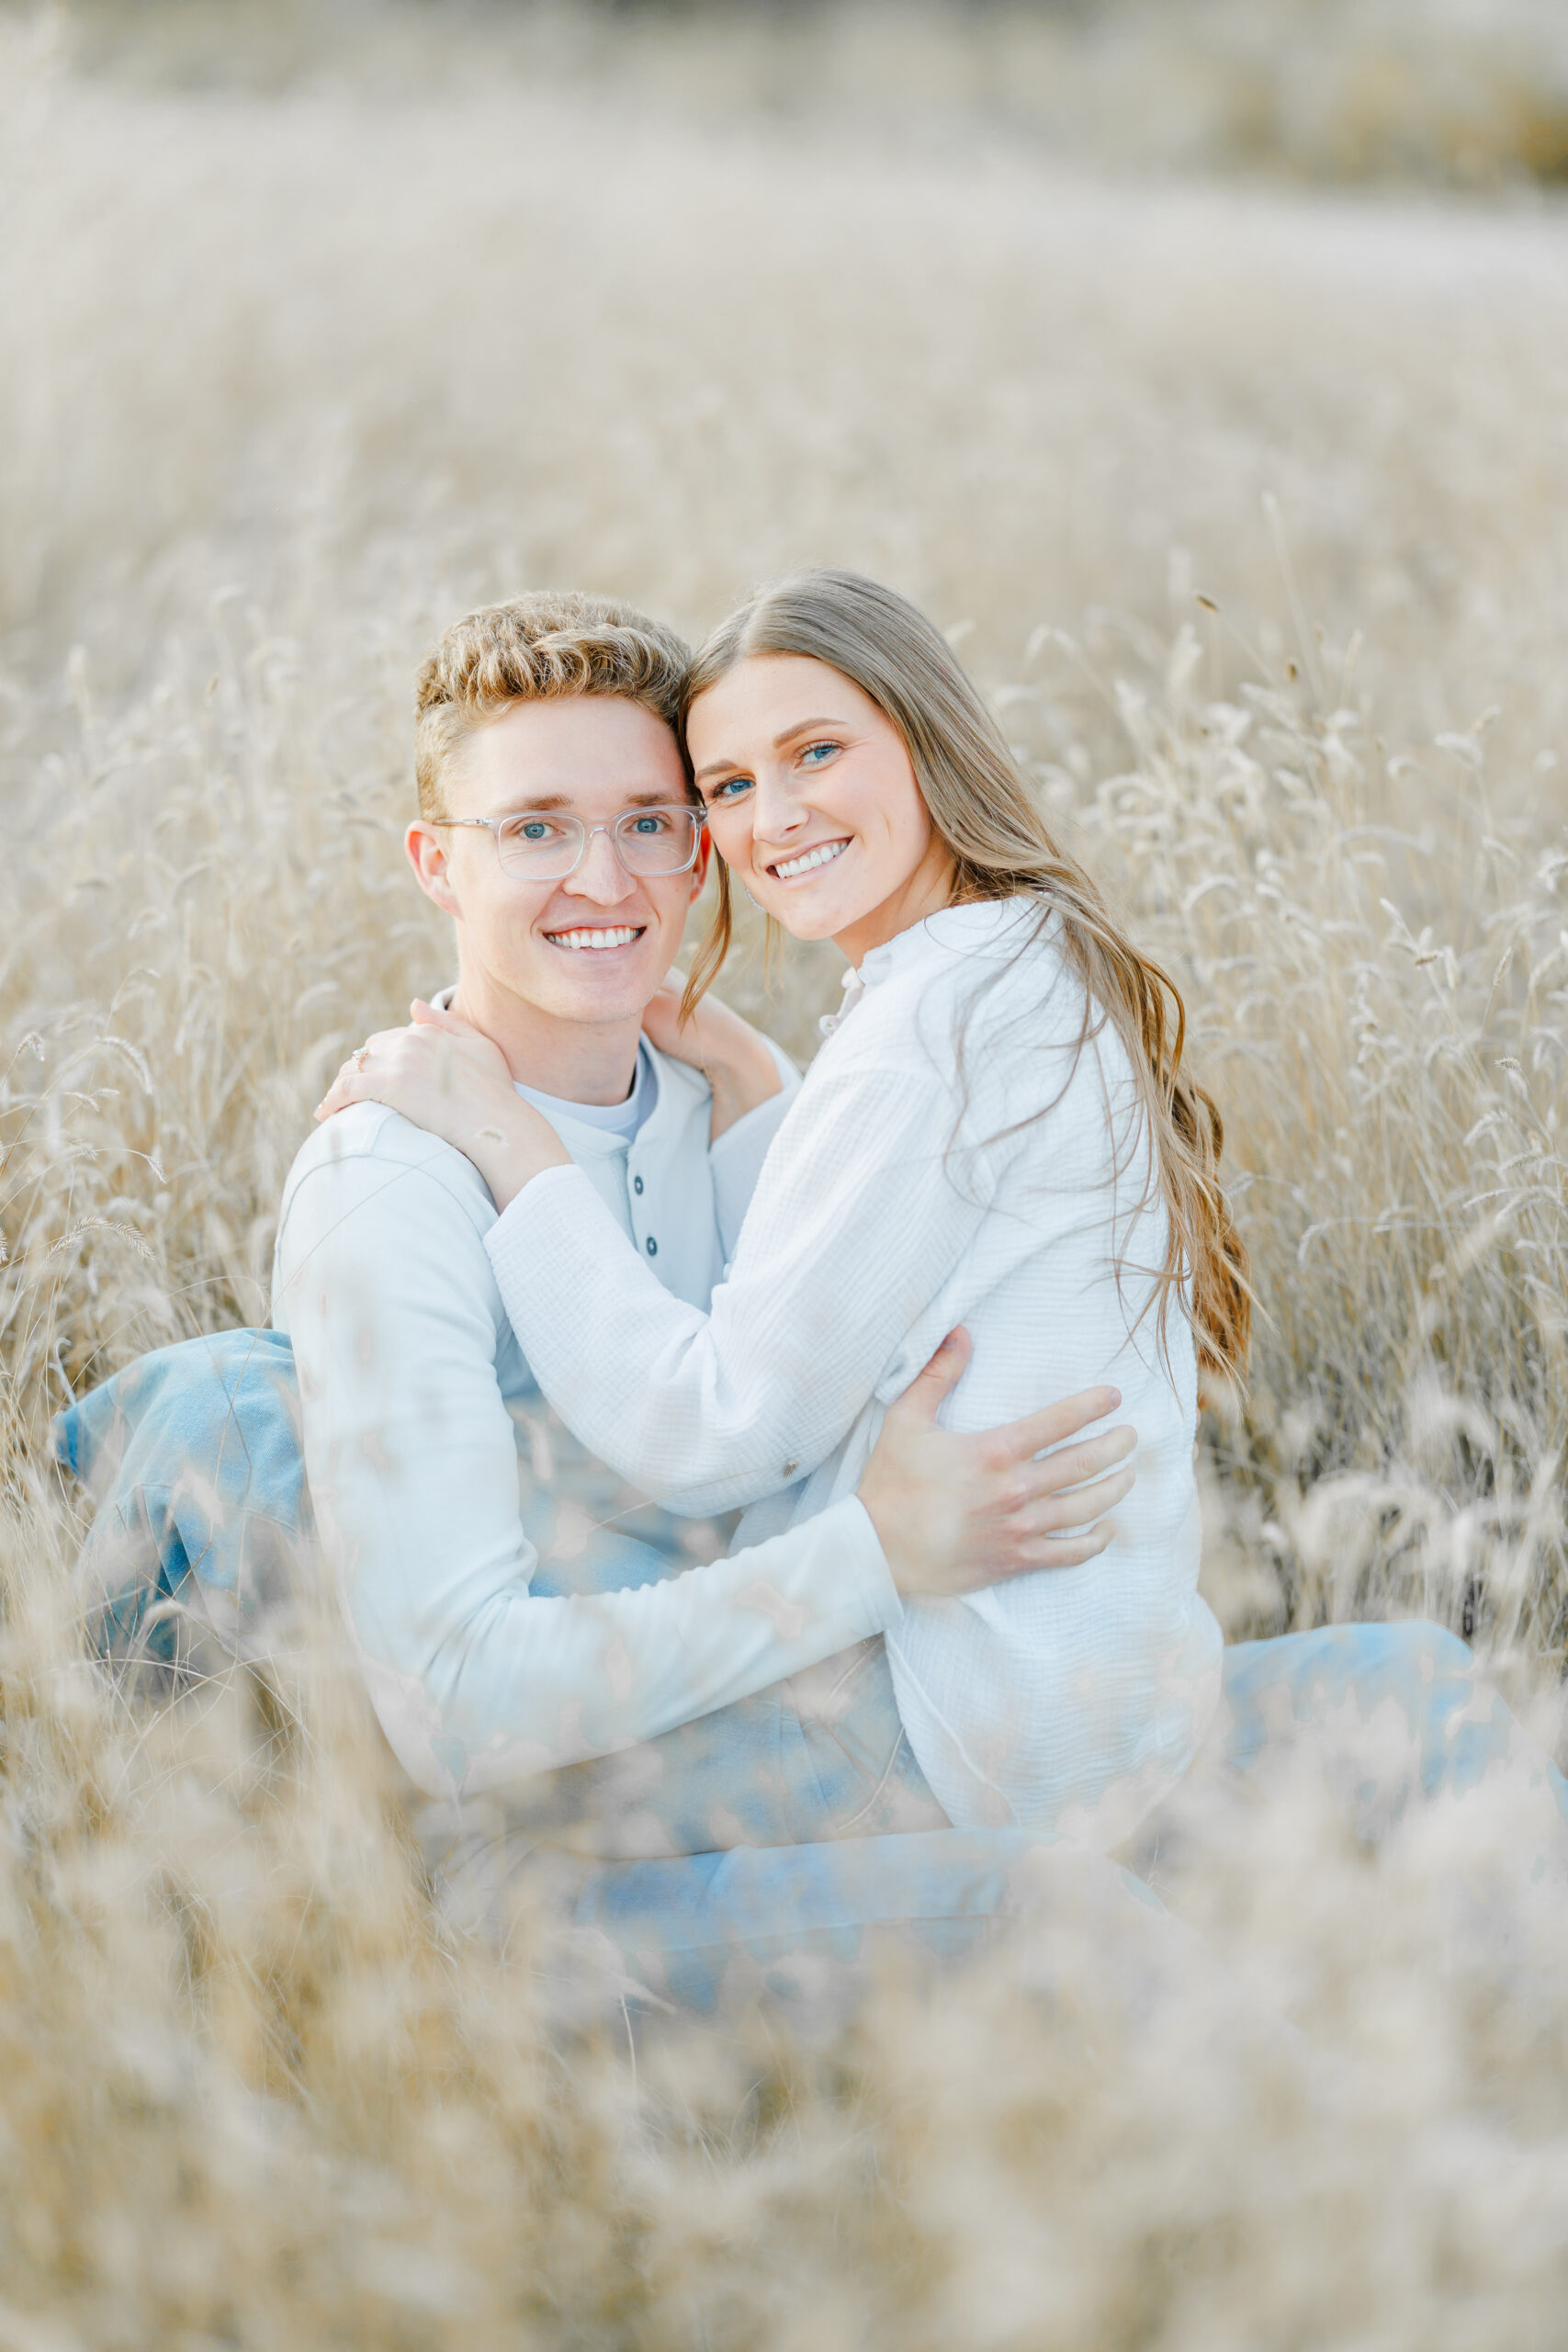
x,y
997,1133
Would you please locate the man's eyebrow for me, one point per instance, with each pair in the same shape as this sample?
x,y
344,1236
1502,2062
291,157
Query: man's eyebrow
x,y
537,803
801,726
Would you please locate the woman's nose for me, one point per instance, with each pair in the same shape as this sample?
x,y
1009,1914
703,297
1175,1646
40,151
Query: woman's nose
x,y
778,809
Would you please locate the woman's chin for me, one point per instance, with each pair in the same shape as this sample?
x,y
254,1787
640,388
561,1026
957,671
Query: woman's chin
x,y
808,915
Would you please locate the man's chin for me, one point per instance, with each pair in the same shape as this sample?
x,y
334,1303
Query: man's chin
x,y
598,983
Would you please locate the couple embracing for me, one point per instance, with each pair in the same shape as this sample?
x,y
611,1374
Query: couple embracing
x,y
577,1261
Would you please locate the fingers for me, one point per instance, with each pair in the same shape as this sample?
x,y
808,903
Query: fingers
x,y
1070,1551
1031,1540
1079,1509
931,1384
1043,1552
344,1089
1071,1465
1054,1422
347,1087
435,1016
354,1082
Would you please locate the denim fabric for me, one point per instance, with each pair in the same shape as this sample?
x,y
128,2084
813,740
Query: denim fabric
x,y
777,1845
806,1924
203,1522
192,1456
1380,1721
1390,1719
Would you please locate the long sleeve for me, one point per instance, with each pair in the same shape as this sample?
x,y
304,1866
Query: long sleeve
x,y
383,1288
960,1152
735,1158
856,1223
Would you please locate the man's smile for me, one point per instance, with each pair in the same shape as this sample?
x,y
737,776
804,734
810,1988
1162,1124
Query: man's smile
x,y
809,860
596,937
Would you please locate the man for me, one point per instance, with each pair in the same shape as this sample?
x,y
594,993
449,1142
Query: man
x,y
558,832
545,1675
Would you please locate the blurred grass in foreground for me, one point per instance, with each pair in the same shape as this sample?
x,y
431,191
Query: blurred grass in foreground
x,y
1251,514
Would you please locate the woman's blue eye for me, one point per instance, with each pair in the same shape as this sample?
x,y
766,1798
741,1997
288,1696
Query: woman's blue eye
x,y
735,784
812,750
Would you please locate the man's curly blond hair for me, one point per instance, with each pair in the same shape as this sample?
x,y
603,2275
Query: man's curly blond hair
x,y
553,643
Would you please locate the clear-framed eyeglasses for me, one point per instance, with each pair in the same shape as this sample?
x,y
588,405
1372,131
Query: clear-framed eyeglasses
x,y
546,844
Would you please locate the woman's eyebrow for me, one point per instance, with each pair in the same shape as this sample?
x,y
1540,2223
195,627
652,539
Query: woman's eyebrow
x,y
801,726
804,726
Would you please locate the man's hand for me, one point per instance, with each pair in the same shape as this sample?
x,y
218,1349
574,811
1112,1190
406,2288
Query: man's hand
x,y
448,1078
735,1058
956,1513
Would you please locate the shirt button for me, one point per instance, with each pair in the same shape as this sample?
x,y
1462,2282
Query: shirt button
x,y
637,1183
652,1247
789,1468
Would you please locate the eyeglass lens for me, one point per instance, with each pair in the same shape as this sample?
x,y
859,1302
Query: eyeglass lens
x,y
546,847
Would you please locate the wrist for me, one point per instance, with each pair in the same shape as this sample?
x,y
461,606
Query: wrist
x,y
512,1148
739,1082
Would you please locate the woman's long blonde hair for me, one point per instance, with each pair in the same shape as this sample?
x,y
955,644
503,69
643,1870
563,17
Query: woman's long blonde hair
x,y
1001,847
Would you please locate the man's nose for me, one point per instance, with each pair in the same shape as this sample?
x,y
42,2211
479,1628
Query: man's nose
x,y
600,876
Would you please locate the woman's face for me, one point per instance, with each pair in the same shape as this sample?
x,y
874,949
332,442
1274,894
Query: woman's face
x,y
813,804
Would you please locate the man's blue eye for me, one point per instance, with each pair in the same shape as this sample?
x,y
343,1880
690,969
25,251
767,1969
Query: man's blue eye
x,y
534,830
652,823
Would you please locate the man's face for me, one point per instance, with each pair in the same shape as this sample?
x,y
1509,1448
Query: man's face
x,y
591,947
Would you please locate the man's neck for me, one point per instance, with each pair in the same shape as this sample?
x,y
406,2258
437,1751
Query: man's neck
x,y
577,1061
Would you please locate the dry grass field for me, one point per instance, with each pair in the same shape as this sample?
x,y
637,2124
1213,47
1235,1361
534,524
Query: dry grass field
x,y
1251,499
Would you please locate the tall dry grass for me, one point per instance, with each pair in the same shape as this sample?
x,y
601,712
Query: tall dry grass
x,y
284,380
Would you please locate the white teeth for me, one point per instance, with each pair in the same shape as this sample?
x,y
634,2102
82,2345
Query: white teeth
x,y
787,871
620,938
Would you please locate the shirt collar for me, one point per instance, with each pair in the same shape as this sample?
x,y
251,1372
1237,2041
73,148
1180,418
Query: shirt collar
x,y
677,1082
982,927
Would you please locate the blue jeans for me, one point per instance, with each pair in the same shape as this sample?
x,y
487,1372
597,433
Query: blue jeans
x,y
202,1530
791,1833
1388,1718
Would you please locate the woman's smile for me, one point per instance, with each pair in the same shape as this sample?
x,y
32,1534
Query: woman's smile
x,y
801,862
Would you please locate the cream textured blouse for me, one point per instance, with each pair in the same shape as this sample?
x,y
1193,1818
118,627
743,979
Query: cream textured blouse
x,y
955,1155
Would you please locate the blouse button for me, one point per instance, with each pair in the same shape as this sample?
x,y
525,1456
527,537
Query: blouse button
x,y
789,1468
652,1247
637,1183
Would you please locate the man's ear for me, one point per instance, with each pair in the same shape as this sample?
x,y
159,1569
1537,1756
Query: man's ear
x,y
427,854
700,871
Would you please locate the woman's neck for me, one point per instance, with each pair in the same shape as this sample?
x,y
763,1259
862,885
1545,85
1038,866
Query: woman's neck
x,y
924,892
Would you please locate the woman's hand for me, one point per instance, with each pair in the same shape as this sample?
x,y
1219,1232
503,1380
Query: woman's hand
x,y
735,1058
956,1513
447,1077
